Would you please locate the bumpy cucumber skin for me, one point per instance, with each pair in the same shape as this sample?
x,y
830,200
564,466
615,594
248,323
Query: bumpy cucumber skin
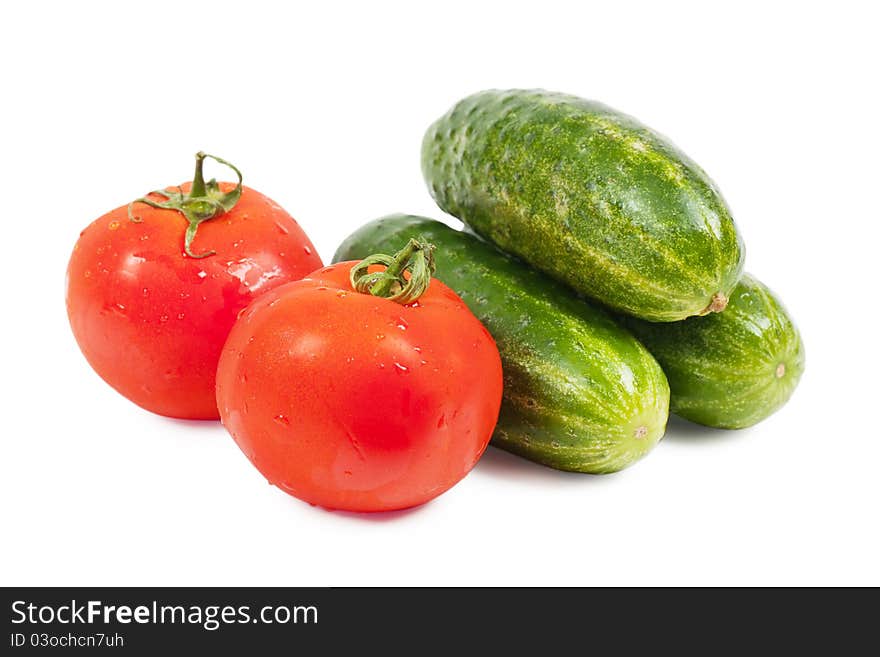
x,y
732,369
580,393
588,195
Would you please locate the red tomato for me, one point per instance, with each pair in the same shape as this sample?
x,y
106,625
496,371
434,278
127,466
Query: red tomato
x,y
150,319
356,402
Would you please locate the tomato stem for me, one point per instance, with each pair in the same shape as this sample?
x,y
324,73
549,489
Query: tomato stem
x,y
203,202
417,257
198,183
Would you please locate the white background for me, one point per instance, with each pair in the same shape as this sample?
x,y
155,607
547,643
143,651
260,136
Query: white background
x,y
324,111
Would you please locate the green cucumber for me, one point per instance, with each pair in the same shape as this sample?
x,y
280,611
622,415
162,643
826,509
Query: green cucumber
x,y
733,369
590,196
580,393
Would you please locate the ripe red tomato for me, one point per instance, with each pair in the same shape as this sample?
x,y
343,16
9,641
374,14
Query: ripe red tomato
x,y
351,401
152,319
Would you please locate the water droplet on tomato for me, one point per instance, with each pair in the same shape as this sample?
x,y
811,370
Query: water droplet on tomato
x,y
163,318
441,422
202,274
342,294
144,238
113,225
402,323
403,369
115,308
307,250
282,228
145,292
380,336
181,315
243,376
282,419
87,273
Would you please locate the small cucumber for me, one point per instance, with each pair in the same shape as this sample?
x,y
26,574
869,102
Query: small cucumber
x,y
590,196
733,369
580,393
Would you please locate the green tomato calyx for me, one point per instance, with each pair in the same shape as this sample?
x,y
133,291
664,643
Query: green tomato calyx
x,y
417,258
204,201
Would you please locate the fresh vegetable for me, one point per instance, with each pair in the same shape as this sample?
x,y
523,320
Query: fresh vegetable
x,y
580,393
154,287
590,196
730,369
360,388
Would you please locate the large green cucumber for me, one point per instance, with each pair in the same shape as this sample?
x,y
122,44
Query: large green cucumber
x,y
731,369
580,393
590,196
